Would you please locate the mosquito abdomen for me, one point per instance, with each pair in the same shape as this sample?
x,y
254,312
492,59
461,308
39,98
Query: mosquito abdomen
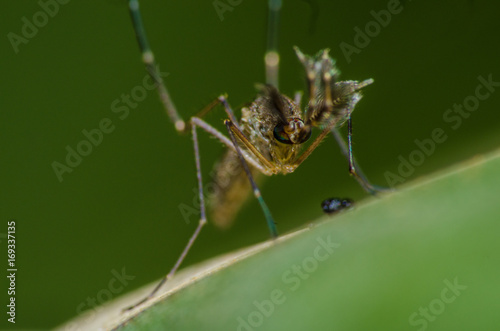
x,y
231,188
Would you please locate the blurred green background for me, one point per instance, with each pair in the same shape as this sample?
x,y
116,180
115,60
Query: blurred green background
x,y
119,208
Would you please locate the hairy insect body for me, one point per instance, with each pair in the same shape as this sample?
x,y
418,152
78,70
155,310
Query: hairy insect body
x,y
275,127
231,185
259,122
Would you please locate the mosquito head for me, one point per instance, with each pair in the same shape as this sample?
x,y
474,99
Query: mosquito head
x,y
284,115
295,132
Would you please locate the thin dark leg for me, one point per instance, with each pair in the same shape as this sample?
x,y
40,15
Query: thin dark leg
x,y
256,191
272,58
151,66
201,223
354,168
226,141
211,106
227,108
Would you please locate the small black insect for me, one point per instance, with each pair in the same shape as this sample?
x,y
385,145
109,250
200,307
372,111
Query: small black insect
x,y
333,205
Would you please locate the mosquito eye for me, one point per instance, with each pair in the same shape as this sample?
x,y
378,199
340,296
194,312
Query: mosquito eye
x,y
280,135
306,134
293,133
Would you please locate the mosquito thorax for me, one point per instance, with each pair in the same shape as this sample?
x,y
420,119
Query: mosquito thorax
x,y
295,132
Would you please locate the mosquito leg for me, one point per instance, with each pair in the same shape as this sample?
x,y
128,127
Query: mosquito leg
x,y
256,191
151,66
354,168
194,123
345,151
272,57
223,139
220,100
227,108
194,236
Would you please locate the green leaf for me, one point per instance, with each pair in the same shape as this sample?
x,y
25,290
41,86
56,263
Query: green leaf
x,y
424,257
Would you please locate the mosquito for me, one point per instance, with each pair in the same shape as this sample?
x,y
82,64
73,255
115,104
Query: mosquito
x,y
269,137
